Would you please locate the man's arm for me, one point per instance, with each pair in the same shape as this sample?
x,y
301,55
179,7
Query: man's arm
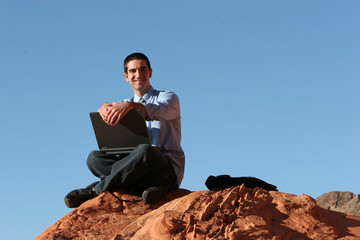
x,y
167,108
111,113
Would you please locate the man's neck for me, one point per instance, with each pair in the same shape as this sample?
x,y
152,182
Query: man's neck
x,y
141,93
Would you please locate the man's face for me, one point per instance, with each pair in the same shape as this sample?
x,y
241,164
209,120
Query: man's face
x,y
138,75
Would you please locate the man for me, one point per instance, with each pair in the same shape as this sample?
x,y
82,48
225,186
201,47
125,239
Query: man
x,y
146,171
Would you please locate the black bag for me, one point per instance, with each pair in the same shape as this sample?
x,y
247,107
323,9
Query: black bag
x,y
225,181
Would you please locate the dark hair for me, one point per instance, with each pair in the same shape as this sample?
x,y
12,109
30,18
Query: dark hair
x,y
134,56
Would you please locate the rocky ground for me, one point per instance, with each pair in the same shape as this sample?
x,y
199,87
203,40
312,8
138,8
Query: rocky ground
x,y
233,213
345,202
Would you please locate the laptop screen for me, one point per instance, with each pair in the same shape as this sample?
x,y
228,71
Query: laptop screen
x,y
124,136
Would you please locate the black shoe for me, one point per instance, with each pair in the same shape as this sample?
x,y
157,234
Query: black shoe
x,y
154,194
75,198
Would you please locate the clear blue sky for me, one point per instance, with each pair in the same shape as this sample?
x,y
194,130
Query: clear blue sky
x,y
269,89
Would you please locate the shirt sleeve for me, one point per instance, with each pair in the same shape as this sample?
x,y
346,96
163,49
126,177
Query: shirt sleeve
x,y
167,107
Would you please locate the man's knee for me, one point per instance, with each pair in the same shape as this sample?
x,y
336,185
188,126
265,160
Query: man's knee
x,y
144,148
152,156
92,157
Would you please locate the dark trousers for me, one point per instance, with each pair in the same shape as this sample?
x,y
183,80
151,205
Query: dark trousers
x,y
144,167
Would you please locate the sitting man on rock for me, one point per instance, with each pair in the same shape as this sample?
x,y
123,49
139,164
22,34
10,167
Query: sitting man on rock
x,y
146,171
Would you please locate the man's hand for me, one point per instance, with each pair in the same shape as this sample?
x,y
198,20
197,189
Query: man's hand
x,y
104,110
111,113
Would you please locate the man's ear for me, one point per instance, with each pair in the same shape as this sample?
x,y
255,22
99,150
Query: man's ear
x,y
126,77
150,73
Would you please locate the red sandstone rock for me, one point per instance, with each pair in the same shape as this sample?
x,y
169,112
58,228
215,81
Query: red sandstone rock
x,y
234,213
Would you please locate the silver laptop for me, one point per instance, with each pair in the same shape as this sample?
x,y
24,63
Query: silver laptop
x,y
124,136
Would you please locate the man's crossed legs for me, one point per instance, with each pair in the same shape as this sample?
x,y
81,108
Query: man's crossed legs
x,y
145,171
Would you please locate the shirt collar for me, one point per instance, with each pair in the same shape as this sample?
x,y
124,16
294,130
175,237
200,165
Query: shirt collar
x,y
146,96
